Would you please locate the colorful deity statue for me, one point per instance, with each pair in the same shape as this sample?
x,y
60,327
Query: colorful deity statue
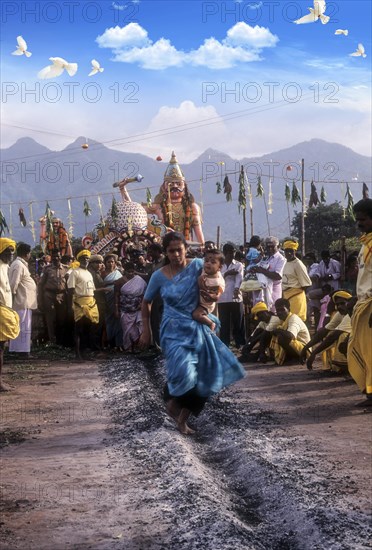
x,y
175,206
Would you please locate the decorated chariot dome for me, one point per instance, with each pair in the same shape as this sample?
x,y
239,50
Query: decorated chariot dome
x,y
128,215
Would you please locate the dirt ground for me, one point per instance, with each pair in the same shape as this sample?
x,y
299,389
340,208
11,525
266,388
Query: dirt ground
x,y
281,460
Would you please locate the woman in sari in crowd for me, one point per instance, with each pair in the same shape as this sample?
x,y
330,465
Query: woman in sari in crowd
x,y
198,364
129,293
113,326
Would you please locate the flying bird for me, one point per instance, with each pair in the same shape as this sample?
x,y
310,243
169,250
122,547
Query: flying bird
x,y
360,52
22,47
96,68
345,32
317,12
56,69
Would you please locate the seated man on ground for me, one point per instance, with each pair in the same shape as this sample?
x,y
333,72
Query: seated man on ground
x,y
261,336
331,336
290,337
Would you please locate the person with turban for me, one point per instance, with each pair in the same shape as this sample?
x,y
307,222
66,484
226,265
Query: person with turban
x,y
328,339
359,353
81,299
9,319
262,334
295,280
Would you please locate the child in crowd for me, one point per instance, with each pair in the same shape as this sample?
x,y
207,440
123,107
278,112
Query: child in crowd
x,y
211,286
255,252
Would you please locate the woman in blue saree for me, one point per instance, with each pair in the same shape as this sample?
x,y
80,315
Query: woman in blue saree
x,y
198,364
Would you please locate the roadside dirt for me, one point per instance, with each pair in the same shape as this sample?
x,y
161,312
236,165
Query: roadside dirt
x,y
281,460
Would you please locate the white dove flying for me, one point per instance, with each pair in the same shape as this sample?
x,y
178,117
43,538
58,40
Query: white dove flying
x,y
57,68
317,12
360,52
96,68
345,32
22,47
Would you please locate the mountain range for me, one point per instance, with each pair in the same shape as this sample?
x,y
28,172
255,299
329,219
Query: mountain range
x,y
32,174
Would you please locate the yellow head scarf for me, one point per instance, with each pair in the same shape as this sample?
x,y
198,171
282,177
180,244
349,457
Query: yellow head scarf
x,y
6,243
260,306
84,252
341,294
290,244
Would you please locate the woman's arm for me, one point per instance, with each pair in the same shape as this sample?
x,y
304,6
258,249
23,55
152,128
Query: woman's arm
x,y
145,338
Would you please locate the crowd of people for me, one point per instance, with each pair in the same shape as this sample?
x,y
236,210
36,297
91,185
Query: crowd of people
x,y
201,308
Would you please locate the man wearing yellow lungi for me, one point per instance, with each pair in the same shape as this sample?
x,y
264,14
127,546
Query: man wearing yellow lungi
x,y
9,319
359,354
332,336
295,280
81,298
290,337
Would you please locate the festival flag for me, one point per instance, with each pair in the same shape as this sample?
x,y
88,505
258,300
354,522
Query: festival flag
x,y
87,211
3,225
270,201
260,189
10,221
70,220
350,202
323,195
287,192
100,208
48,218
219,188
148,197
295,195
227,189
32,223
242,199
314,199
114,211
22,217
365,191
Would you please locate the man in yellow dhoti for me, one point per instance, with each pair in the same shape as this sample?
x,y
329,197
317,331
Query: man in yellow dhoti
x,y
81,299
359,354
331,336
9,319
290,337
295,280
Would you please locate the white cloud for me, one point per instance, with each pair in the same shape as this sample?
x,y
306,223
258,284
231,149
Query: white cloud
x,y
130,36
242,44
214,55
255,37
159,55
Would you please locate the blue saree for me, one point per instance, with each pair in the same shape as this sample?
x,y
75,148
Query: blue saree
x,y
195,357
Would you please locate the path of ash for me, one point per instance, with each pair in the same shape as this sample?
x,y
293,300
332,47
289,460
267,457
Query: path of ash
x,y
246,480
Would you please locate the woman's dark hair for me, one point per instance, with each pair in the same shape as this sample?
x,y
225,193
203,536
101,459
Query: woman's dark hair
x,y
23,249
173,236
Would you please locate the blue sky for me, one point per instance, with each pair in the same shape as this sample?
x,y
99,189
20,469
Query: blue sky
x,y
170,64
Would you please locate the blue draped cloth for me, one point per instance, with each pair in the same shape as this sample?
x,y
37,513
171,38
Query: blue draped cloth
x,y
195,357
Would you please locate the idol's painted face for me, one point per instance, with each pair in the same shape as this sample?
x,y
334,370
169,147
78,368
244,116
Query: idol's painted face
x,y
176,252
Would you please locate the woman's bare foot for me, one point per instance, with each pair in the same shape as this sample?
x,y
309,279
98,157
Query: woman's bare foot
x,y
173,409
182,422
184,428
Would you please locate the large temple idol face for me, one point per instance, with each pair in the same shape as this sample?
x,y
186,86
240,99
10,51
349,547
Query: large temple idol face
x,y
177,189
